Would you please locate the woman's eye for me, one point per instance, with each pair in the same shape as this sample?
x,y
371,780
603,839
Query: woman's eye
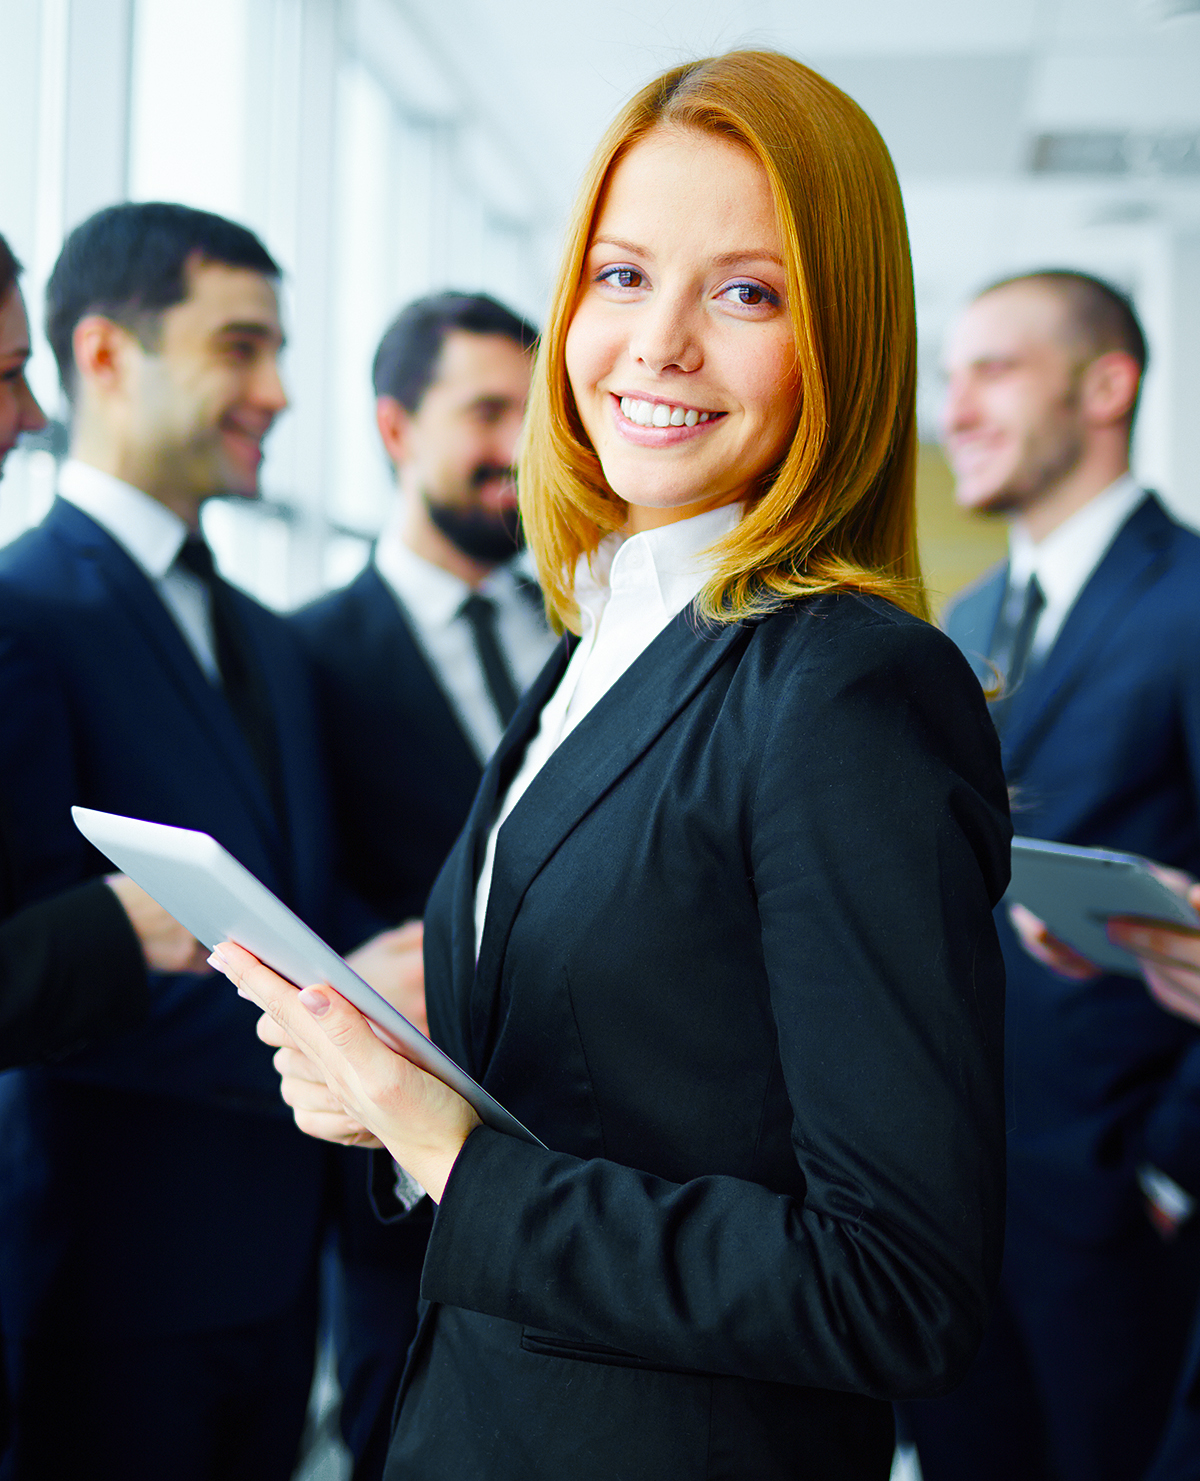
x,y
750,295
621,277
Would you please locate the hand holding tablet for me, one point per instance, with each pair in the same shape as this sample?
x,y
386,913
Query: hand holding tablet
x,y
217,899
1076,892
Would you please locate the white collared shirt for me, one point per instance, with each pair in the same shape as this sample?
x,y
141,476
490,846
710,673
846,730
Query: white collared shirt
x,y
627,595
152,536
432,600
1065,559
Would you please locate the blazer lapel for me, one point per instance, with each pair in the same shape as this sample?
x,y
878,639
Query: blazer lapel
x,y
1133,563
497,775
142,605
588,763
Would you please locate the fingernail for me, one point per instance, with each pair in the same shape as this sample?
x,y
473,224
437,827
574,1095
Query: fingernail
x,y
216,961
315,1001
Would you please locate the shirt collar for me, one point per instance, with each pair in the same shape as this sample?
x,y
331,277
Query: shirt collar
x,y
1068,555
432,595
150,532
666,567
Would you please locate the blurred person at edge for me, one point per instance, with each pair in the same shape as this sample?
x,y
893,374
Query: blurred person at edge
x,y
139,1342
719,929
419,664
1170,958
72,966
1094,625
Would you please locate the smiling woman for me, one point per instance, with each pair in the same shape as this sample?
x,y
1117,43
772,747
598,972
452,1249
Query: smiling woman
x,y
719,927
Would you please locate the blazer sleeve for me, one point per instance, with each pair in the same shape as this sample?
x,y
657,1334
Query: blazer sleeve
x,y
878,839
71,969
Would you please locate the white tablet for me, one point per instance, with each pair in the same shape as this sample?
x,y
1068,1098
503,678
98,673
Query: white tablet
x,y
214,897
1076,891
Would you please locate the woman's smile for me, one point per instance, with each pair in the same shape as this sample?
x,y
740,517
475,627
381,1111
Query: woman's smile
x,y
651,422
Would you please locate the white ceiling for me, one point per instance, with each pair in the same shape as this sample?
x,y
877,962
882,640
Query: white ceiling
x,y
960,90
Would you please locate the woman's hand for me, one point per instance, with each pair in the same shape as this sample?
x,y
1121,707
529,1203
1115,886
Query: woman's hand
x,y
384,1098
302,1084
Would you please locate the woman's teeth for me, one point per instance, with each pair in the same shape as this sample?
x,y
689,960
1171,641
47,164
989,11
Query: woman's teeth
x,y
659,414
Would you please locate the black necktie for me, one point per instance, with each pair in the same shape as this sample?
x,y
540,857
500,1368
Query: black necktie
x,y
1012,639
480,612
240,678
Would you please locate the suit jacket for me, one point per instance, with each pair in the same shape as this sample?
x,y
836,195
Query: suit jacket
x,y
155,1182
1101,745
402,773
739,974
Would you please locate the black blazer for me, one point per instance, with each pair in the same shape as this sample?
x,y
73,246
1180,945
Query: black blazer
x,y
401,771
739,973
1101,743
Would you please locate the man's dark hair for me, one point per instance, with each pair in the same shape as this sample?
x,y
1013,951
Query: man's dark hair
x,y
10,269
406,360
1101,316
129,262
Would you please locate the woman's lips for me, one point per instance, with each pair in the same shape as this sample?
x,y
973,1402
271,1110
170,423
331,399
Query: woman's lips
x,y
659,435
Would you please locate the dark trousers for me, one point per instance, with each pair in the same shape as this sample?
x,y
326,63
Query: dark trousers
x,y
211,1406
1076,1374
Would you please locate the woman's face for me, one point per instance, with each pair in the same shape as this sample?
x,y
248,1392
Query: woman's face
x,y
680,353
19,412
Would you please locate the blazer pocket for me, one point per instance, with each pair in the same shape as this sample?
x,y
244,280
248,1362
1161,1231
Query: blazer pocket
x,y
550,1345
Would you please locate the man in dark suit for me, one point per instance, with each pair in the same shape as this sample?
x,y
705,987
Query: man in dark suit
x,y
159,1216
420,660
73,966
419,664
1093,627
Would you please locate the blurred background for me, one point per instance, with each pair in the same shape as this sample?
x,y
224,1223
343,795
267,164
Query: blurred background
x,y
384,148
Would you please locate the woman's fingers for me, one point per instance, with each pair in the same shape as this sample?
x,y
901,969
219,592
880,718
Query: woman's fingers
x,y
421,1121
293,1063
337,1127
273,1033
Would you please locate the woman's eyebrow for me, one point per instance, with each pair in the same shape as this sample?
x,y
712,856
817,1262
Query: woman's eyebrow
x,y
623,245
753,254
725,259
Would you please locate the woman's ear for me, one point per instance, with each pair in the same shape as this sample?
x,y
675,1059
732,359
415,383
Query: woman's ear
x,y
395,426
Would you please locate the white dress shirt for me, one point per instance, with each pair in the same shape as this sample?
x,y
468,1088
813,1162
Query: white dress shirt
x,y
1065,559
432,600
152,536
627,595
